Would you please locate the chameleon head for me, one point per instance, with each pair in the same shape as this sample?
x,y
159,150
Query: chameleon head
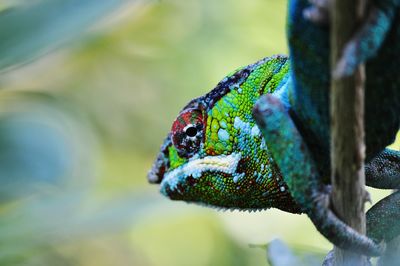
x,y
216,155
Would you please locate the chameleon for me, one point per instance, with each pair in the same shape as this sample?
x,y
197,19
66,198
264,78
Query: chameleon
x,y
260,138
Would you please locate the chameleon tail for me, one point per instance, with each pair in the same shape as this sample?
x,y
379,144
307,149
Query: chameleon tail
x,y
299,171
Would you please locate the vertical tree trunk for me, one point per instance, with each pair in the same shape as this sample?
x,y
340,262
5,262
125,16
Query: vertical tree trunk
x,y
347,130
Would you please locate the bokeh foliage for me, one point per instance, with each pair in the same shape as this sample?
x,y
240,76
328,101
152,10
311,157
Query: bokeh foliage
x,y
89,89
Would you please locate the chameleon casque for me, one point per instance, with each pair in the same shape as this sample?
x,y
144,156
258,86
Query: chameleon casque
x,y
260,138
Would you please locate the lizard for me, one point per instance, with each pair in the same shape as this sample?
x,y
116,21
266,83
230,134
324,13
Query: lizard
x,y
249,145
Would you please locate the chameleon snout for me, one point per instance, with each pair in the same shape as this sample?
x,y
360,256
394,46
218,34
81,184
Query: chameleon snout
x,y
161,164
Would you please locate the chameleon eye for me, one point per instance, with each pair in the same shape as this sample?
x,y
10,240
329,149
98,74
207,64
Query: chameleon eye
x,y
187,132
191,130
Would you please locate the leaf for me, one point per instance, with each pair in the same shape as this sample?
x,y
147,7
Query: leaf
x,y
31,30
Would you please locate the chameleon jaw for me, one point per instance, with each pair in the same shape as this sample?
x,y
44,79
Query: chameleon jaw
x,y
197,166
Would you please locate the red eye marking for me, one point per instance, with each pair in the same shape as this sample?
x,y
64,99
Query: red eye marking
x,y
187,132
191,116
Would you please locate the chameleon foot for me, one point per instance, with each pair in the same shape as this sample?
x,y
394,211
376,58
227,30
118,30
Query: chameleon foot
x,y
369,38
291,154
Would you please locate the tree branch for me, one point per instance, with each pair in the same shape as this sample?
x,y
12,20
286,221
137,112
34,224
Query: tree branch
x,y
347,130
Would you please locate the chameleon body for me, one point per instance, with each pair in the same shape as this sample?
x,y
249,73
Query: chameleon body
x,y
224,153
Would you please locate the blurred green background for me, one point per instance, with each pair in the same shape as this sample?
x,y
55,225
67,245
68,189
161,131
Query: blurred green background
x,y
89,90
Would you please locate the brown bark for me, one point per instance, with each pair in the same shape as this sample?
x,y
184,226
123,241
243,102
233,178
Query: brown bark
x,y
347,128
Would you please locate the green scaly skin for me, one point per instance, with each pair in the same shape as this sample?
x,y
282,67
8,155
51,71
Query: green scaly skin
x,y
231,167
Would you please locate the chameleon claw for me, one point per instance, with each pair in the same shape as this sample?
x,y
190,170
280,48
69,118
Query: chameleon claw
x,y
367,197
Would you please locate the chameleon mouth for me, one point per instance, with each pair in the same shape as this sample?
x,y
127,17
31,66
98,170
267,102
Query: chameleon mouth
x,y
196,167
